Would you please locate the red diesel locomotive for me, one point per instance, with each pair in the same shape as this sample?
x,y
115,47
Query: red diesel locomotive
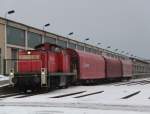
x,y
50,66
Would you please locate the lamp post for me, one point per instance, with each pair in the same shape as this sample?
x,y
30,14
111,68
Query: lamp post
x,y
5,37
85,42
9,12
108,47
99,43
127,53
122,51
71,33
131,55
44,26
86,39
116,50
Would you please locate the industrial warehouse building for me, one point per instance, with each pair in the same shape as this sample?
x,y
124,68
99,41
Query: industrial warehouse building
x,y
15,36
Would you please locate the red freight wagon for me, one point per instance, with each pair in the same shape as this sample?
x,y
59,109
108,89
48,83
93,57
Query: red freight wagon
x,y
89,66
113,68
127,68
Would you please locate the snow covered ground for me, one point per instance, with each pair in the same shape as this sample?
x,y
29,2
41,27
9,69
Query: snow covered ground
x,y
2,77
108,99
54,110
4,80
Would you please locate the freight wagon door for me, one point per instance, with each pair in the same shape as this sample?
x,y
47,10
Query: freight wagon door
x,y
74,66
74,62
113,68
127,68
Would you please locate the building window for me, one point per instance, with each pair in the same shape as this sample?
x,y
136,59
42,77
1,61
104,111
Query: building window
x,y
14,53
15,36
0,61
100,52
61,43
87,49
34,39
94,50
50,40
79,47
72,45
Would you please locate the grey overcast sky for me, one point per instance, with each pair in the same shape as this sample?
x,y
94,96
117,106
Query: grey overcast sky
x,y
122,24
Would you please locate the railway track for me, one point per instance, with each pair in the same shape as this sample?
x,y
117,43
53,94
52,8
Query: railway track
x,y
31,94
4,82
69,94
140,82
10,95
131,95
19,95
7,91
89,94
